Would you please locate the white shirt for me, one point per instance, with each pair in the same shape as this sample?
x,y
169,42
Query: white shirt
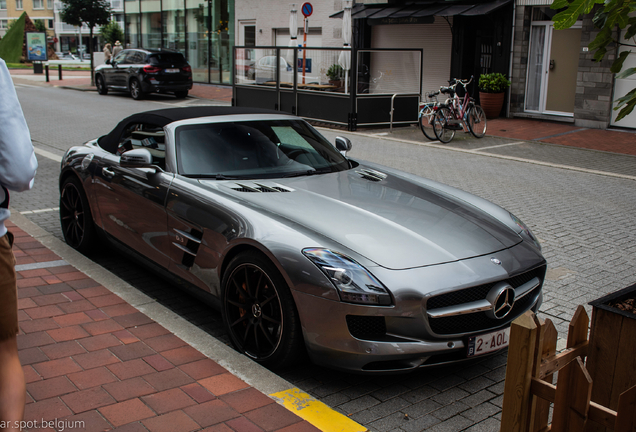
x,y
17,159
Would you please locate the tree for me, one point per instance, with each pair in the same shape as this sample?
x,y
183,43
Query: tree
x,y
90,12
112,32
614,15
39,26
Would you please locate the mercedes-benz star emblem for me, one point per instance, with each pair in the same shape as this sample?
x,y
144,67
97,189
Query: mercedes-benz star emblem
x,y
502,298
495,261
503,304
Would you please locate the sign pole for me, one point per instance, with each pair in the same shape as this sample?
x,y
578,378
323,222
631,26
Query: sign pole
x,y
304,49
307,9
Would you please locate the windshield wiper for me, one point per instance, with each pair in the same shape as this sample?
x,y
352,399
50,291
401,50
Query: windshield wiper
x,y
308,173
213,176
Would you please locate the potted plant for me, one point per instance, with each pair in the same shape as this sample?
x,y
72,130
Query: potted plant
x,y
335,74
491,93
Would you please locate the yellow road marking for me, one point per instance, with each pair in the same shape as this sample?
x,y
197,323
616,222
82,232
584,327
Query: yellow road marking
x,y
316,412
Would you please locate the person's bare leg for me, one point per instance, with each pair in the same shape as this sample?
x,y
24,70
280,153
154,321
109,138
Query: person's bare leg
x,y
12,385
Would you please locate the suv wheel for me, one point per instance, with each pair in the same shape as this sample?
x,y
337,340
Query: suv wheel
x,y
101,85
135,89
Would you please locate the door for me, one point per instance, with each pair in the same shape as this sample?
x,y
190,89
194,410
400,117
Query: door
x,y
132,200
552,69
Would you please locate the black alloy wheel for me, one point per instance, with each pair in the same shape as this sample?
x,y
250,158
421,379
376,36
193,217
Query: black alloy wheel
x,y
101,85
259,312
135,89
75,216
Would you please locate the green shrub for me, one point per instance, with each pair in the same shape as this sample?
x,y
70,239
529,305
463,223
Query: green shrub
x,y
335,72
493,83
11,44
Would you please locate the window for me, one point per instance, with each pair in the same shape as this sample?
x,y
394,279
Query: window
x,y
38,4
18,5
3,24
3,4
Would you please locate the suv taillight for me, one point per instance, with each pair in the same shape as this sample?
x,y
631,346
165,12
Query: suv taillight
x,y
152,69
186,69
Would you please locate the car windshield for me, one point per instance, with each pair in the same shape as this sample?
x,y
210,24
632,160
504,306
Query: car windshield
x,y
255,149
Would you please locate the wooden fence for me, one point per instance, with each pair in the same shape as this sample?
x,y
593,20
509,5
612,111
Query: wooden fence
x,y
528,390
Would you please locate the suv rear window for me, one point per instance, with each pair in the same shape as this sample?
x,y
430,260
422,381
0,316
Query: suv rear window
x,y
173,58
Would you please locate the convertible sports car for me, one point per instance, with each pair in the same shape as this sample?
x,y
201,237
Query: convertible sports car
x,y
363,267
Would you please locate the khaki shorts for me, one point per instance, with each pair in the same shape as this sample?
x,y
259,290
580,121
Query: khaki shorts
x,y
8,289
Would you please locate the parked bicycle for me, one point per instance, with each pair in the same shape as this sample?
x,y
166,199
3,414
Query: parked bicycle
x,y
426,114
458,114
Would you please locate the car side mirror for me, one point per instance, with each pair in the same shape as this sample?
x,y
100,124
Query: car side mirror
x,y
343,145
137,158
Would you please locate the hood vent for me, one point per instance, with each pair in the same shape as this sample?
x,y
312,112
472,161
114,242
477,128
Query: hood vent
x,y
257,187
372,175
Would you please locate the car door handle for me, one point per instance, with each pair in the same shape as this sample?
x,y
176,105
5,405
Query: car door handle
x,y
108,173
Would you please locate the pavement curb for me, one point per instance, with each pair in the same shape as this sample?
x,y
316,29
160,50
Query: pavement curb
x,y
260,378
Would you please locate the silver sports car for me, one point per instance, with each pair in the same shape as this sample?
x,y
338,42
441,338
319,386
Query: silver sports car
x,y
303,249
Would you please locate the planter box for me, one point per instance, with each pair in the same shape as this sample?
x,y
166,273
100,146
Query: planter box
x,y
611,358
491,103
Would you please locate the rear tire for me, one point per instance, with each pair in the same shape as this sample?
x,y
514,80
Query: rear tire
x,y
135,89
259,312
440,123
426,122
101,85
181,94
76,219
477,121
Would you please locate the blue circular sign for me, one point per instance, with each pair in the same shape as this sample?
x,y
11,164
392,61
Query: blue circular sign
x,y
307,9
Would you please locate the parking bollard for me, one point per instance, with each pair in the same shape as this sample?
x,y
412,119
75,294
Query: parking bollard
x,y
46,69
59,71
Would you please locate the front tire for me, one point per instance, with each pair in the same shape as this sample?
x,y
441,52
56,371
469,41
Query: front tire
x,y
440,125
426,122
477,121
259,312
76,219
135,89
101,85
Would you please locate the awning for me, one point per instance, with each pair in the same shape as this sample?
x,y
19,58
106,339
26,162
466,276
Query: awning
x,y
420,12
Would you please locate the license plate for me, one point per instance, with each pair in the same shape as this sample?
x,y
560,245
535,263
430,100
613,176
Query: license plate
x,y
172,70
489,342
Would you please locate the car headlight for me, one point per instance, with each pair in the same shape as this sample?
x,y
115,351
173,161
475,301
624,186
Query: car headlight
x,y
354,283
525,230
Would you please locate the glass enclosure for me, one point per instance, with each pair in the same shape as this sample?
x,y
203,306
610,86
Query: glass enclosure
x,y
389,72
202,30
316,69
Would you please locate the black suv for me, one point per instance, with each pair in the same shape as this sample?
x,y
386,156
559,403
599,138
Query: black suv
x,y
141,71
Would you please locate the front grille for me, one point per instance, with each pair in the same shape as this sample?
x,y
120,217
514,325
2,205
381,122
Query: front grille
x,y
479,321
366,327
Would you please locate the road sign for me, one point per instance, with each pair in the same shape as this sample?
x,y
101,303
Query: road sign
x,y
307,9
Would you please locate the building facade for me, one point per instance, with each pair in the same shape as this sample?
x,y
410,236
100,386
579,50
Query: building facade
x,y
203,30
11,10
554,74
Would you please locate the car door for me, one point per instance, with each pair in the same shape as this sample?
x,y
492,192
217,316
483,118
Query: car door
x,y
132,200
116,74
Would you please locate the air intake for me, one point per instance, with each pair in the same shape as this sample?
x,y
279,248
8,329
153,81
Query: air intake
x,y
372,175
259,188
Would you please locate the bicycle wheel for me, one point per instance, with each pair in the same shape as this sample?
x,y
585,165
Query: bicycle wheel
x,y
426,122
477,121
440,125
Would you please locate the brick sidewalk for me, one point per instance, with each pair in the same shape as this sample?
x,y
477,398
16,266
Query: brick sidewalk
x,y
89,356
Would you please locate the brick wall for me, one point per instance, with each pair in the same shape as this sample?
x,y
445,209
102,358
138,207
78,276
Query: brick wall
x,y
594,83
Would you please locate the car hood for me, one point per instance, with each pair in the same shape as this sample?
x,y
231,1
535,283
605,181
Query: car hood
x,y
389,220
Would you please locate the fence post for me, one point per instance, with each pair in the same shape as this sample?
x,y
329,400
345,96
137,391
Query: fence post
x,y
549,336
577,330
626,414
517,403
572,399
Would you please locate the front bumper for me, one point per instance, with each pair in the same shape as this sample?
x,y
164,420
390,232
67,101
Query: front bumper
x,y
361,338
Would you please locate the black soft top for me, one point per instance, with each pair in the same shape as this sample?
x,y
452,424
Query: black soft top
x,y
162,117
